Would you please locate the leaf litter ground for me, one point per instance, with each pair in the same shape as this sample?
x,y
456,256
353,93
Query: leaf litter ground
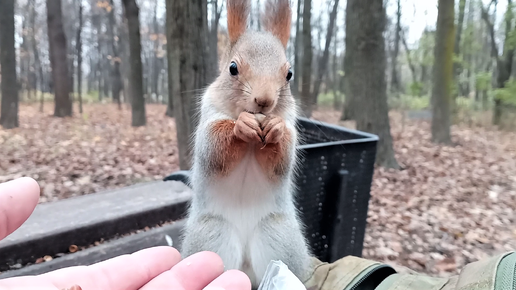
x,y
448,207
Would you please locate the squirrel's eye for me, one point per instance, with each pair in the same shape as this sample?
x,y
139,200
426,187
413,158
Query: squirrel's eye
x,y
233,69
289,75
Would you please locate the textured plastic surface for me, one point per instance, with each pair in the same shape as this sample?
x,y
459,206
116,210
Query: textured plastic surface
x,y
334,183
333,187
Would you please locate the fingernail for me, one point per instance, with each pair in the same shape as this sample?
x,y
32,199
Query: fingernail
x,y
213,288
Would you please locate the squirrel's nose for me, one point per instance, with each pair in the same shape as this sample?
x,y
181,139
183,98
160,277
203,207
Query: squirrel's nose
x,y
263,102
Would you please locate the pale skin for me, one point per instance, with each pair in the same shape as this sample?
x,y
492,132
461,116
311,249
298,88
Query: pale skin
x,y
153,268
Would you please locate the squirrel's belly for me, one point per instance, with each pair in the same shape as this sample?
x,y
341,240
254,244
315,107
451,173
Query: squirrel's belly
x,y
243,197
246,184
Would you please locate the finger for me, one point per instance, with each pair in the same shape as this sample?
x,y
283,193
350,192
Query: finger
x,y
252,123
18,198
271,123
275,134
193,273
255,129
230,280
248,133
123,272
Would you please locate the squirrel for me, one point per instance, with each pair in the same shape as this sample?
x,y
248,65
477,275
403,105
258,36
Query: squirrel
x,y
244,152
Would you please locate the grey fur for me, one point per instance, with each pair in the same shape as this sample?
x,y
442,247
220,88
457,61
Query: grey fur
x,y
248,223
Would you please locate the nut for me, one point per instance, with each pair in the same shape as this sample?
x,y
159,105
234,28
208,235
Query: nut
x,y
259,117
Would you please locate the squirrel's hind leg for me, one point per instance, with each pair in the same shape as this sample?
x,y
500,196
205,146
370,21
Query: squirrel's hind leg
x,y
214,234
279,237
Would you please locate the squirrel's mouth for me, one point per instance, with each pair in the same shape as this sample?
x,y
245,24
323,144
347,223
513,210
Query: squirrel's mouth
x,y
251,112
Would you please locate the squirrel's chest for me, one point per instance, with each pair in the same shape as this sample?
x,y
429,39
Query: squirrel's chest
x,y
246,183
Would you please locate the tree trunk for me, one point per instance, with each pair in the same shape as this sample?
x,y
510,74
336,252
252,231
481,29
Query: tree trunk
x,y
116,78
306,80
457,67
409,59
366,73
504,62
213,56
297,53
24,55
443,72
9,87
458,36
58,59
35,50
131,12
91,76
186,54
395,82
336,76
323,63
349,101
78,43
156,59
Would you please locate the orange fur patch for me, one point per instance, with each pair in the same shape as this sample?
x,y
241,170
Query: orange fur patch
x,y
274,158
237,14
228,150
277,19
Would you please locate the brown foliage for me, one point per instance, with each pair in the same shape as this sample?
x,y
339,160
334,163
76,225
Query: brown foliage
x,y
82,155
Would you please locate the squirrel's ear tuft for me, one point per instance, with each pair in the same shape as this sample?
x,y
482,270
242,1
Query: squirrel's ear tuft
x,y
277,19
238,13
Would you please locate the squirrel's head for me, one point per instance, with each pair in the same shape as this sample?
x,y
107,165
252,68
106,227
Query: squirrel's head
x,y
254,73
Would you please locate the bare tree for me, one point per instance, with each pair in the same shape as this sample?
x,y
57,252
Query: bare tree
x,y
503,62
58,59
408,54
456,51
443,72
306,80
297,52
366,64
35,50
349,101
186,75
9,111
395,81
323,62
213,41
131,12
78,44
116,78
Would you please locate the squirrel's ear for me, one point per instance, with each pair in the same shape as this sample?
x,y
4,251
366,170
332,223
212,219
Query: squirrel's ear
x,y
277,19
238,13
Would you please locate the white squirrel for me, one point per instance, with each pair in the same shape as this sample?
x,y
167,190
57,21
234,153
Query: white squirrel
x,y
245,153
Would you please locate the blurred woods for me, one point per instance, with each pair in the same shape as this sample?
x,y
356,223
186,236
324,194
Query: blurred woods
x,y
354,56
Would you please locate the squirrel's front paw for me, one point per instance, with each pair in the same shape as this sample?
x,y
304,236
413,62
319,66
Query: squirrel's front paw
x,y
273,129
247,128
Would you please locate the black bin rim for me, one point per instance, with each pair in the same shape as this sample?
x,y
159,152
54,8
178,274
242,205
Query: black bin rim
x,y
364,137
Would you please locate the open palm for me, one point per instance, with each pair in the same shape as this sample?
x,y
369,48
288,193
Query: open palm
x,y
153,268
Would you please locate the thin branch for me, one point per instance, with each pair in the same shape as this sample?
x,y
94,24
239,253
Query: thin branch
x,y
409,56
490,27
217,16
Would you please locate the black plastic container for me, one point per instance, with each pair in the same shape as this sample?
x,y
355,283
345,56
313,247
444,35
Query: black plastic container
x,y
334,183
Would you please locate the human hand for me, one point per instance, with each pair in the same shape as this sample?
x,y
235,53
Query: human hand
x,y
153,268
